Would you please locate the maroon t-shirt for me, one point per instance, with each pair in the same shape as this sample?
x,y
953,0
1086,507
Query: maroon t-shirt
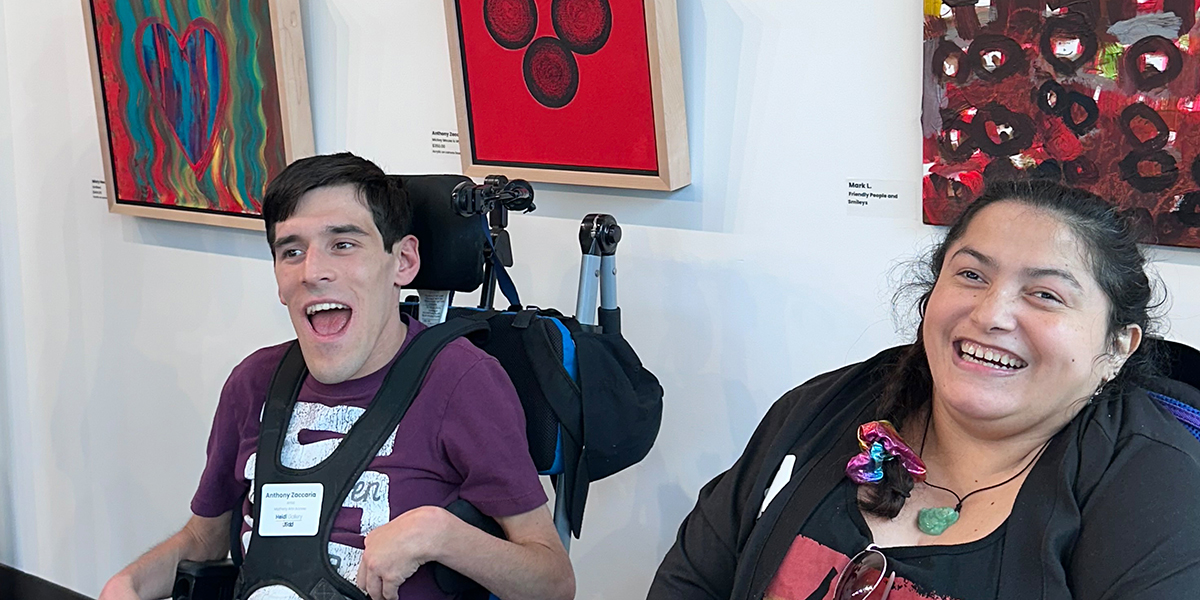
x,y
463,437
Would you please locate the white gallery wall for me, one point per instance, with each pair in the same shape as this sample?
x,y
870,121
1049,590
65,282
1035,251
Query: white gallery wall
x,y
116,333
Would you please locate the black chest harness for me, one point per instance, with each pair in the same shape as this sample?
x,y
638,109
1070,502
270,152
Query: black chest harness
x,y
302,563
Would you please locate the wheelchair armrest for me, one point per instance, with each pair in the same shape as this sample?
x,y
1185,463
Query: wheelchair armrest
x,y
211,580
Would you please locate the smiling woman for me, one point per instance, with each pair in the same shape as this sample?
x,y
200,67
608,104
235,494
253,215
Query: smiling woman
x,y
1014,450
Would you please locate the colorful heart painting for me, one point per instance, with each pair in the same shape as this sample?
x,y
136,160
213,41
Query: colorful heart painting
x,y
192,109
188,77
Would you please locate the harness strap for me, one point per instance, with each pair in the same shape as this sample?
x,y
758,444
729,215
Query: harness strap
x,y
302,563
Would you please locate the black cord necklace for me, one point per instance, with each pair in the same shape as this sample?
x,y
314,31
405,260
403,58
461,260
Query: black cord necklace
x,y
935,521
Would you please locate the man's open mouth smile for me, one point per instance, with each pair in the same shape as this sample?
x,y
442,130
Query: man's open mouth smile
x,y
328,319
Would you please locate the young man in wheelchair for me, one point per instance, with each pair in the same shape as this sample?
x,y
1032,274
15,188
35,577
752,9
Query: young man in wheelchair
x,y
339,235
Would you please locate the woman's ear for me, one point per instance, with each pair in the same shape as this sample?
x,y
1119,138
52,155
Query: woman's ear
x,y
1125,343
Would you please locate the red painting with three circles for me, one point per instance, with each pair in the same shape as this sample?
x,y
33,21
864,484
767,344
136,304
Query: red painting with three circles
x,y
559,84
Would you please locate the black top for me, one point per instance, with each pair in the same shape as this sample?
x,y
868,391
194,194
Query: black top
x,y
837,531
1108,512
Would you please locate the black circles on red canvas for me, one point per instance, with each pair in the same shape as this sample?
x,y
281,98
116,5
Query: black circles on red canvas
x,y
550,68
1076,110
1153,62
1148,167
511,23
1068,43
996,57
583,25
551,73
1000,132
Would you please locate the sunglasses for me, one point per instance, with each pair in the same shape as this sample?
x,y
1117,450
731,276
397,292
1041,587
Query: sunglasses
x,y
863,577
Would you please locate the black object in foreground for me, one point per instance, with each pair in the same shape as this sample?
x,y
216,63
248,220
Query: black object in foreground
x,y
18,585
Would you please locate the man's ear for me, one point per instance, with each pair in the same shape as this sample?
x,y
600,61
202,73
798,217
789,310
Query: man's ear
x,y
408,260
1125,343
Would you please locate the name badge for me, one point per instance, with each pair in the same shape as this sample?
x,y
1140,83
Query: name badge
x,y
290,509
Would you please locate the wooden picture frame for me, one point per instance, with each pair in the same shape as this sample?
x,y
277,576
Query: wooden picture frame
x,y
196,118
586,92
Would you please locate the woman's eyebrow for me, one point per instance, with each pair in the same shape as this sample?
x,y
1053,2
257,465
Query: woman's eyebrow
x,y
1032,273
977,255
1035,273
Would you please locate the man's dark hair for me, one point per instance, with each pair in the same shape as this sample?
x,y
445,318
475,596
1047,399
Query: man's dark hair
x,y
1118,264
383,196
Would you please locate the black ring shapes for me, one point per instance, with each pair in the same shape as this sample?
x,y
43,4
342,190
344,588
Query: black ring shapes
x,y
960,3
1068,27
1161,132
511,23
1151,77
945,51
1168,171
1051,97
960,150
551,73
1091,113
1019,135
1054,99
1013,56
583,25
1189,209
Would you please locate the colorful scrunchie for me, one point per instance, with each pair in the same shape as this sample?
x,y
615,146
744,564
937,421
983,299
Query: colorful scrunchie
x,y
880,443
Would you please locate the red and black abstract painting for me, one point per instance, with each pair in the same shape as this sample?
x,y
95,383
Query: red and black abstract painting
x,y
558,84
1098,94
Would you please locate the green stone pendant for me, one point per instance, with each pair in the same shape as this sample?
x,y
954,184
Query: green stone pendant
x,y
934,521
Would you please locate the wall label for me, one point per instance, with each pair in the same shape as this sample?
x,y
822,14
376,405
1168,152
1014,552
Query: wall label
x,y
880,198
444,142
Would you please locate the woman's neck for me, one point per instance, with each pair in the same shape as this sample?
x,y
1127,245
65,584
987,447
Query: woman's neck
x,y
963,456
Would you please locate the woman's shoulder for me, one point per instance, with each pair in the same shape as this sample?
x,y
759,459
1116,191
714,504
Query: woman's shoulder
x,y
1150,417
1137,435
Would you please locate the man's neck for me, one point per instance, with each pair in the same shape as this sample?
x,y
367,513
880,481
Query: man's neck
x,y
387,345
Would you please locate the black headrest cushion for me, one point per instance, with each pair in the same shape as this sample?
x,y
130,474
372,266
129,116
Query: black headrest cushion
x,y
451,246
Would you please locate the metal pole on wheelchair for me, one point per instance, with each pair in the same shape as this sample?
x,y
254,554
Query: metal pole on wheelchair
x,y
598,238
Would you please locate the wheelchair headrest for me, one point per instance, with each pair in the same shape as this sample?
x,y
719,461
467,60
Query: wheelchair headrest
x,y
1183,361
451,246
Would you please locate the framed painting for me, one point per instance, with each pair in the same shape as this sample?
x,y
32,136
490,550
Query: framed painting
x,y
1098,94
585,92
200,104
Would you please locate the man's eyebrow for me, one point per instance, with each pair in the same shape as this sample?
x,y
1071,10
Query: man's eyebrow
x,y
285,240
344,229
1058,273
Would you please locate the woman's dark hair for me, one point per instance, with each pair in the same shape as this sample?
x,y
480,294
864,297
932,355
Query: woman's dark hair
x,y
383,196
1110,240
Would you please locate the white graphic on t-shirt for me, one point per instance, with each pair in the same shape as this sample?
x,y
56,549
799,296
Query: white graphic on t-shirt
x,y
318,417
370,492
274,592
345,560
371,495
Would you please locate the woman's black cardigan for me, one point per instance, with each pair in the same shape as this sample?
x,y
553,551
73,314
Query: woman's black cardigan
x,y
1111,510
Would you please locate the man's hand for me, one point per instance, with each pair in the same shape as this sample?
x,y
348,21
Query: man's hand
x,y
396,549
530,565
152,575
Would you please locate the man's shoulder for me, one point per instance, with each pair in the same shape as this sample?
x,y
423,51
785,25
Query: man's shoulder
x,y
255,371
461,358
